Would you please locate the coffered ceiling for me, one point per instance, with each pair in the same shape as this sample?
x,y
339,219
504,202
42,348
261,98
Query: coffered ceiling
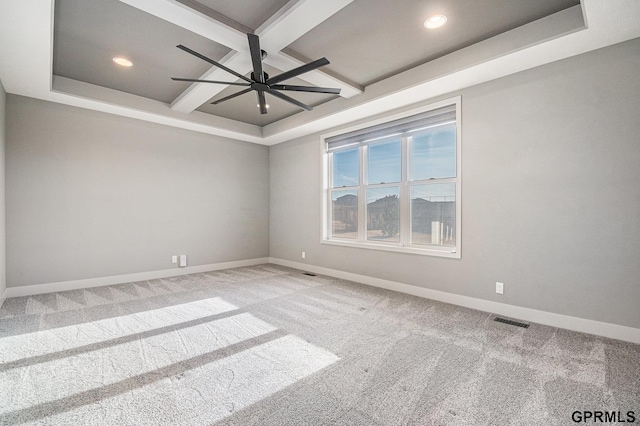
x,y
382,57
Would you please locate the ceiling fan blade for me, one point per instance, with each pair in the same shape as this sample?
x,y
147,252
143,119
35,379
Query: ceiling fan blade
x,y
256,57
305,89
211,61
289,99
262,102
226,98
194,80
297,71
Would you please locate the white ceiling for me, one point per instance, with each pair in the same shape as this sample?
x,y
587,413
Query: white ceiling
x,y
375,75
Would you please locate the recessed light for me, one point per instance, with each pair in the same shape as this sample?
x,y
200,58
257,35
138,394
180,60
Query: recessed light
x,y
258,105
122,61
435,21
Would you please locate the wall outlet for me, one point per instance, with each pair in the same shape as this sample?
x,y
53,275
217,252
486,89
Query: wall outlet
x,y
183,260
174,259
304,255
499,288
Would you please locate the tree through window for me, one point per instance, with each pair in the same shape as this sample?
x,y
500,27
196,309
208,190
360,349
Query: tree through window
x,y
396,185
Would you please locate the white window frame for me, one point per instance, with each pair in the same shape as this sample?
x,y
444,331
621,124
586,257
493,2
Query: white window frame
x,y
404,246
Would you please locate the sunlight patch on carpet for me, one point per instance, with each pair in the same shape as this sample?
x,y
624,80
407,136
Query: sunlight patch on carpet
x,y
61,378
61,339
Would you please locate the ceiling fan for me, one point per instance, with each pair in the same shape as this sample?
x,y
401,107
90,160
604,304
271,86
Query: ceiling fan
x,y
260,80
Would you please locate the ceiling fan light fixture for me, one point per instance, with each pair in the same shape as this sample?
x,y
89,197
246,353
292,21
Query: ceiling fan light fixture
x,y
122,61
435,21
260,80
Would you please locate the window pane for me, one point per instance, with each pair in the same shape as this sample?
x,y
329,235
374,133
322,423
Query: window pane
x,y
384,164
383,214
344,205
433,214
434,154
345,168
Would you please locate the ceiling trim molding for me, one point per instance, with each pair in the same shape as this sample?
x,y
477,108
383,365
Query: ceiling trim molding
x,y
194,21
282,29
513,51
294,20
26,34
198,94
282,61
85,95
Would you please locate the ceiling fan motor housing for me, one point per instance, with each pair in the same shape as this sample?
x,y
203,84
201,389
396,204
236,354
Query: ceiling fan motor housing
x,y
260,81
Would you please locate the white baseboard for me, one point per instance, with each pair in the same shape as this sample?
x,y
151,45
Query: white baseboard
x,y
583,325
31,290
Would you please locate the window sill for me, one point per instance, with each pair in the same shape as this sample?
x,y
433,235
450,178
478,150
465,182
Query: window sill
x,y
449,252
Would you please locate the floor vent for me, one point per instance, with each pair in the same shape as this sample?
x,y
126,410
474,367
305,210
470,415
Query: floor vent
x,y
516,323
309,274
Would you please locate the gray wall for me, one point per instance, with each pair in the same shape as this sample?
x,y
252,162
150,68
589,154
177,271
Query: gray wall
x,y
95,195
3,270
551,194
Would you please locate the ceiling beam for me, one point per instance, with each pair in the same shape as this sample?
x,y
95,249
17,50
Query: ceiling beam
x,y
282,61
194,21
26,43
291,22
198,93
294,20
212,29
90,96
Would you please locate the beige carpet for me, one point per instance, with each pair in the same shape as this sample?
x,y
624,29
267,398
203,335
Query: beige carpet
x,y
268,345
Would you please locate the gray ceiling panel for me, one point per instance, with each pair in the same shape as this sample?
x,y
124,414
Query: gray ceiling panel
x,y
249,13
89,33
367,41
370,40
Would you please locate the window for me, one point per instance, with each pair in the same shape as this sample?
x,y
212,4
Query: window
x,y
395,184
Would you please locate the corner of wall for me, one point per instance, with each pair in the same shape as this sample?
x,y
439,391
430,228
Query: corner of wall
x,y
3,297
3,268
